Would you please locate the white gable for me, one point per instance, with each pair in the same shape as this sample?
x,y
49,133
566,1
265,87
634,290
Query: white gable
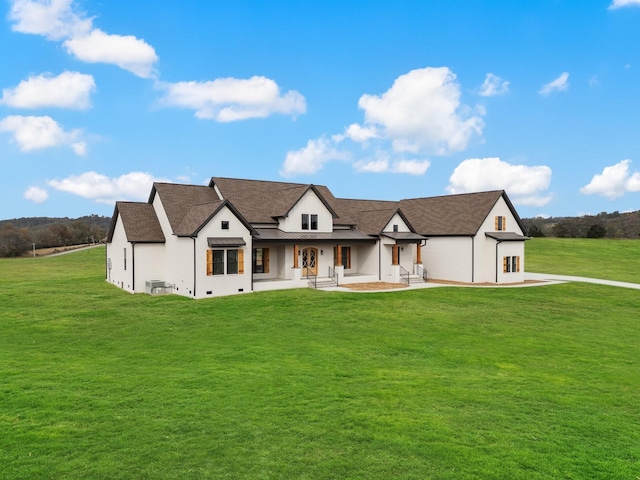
x,y
309,204
396,220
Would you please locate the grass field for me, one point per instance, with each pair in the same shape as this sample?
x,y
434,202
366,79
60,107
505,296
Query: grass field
x,y
445,383
586,257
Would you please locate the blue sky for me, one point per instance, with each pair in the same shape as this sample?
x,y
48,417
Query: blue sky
x,y
374,99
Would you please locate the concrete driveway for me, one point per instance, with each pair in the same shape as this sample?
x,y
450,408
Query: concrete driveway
x,y
567,278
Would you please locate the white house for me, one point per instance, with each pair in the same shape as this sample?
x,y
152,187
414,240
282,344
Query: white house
x,y
238,236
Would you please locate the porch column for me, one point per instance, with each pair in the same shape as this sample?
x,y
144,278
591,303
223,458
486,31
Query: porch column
x,y
419,253
338,256
396,256
295,256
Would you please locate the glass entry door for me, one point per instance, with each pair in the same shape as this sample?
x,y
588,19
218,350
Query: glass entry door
x,y
309,262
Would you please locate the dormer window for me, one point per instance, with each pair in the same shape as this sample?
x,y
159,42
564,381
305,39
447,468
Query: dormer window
x,y
309,221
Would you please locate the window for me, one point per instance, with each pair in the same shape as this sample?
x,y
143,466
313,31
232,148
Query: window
x,y
511,264
395,228
221,262
260,260
501,223
125,258
224,225
346,257
218,262
232,262
309,222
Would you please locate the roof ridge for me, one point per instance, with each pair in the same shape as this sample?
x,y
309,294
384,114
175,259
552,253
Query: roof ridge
x,y
455,195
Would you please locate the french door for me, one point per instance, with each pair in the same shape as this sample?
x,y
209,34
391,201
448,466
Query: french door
x,y
309,261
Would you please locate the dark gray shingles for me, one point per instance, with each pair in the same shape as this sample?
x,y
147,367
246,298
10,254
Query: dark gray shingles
x,y
140,222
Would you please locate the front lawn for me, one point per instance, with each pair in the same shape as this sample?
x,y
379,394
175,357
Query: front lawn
x,y
447,383
586,257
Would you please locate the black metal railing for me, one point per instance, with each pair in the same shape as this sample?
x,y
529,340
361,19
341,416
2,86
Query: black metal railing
x,y
313,279
333,275
422,272
404,275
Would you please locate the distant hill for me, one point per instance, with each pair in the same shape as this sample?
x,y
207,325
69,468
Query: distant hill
x,y
45,222
19,234
602,225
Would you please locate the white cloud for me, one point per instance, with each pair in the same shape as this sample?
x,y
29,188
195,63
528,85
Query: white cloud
x,y
102,189
613,182
623,3
560,84
37,133
409,167
493,85
524,184
36,194
57,20
231,99
53,19
67,90
357,133
422,112
311,158
125,51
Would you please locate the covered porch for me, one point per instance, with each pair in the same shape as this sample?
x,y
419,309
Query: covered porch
x,y
291,260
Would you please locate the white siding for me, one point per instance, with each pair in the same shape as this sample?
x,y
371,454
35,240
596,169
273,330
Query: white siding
x,y
227,284
489,259
396,220
116,257
178,255
449,258
311,204
148,259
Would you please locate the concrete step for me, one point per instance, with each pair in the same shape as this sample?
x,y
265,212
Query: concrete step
x,y
323,282
415,279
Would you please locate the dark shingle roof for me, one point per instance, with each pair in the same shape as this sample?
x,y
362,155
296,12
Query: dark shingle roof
x,y
262,201
140,222
461,214
370,216
196,217
185,203
188,207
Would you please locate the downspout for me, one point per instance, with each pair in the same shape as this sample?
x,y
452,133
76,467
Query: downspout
x,y
379,259
473,258
496,262
194,267
133,266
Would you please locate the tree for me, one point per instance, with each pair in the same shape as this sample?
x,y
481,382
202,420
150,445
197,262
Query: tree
x,y
535,231
596,231
13,242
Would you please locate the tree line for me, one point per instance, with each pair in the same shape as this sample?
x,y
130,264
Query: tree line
x,y
602,225
18,236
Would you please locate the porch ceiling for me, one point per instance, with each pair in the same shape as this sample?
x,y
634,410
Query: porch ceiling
x,y
405,237
275,235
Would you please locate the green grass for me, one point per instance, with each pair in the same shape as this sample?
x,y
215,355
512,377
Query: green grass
x,y
587,257
446,383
